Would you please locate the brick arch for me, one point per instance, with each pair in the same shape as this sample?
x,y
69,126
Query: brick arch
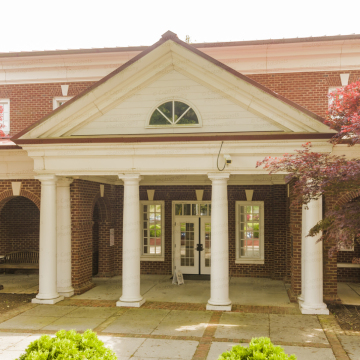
x,y
347,197
7,195
104,207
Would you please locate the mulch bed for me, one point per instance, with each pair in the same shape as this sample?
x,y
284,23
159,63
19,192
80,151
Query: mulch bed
x,y
348,316
12,301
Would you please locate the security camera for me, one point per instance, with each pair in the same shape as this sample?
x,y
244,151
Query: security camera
x,y
227,159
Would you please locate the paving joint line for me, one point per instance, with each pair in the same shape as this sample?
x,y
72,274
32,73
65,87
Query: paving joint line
x,y
332,329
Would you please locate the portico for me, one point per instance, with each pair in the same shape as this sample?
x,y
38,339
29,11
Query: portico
x,y
142,178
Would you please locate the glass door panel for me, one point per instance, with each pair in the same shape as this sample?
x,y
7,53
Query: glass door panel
x,y
205,235
186,240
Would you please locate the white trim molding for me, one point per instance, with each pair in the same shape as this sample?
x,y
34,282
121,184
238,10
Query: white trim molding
x,y
152,257
243,259
348,265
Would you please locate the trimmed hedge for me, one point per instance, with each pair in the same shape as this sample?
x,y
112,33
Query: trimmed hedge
x,y
259,349
68,345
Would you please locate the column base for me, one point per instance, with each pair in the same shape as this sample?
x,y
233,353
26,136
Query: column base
x,y
218,307
300,298
66,293
130,303
320,309
47,301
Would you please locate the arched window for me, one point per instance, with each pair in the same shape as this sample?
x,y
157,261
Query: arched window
x,y
174,113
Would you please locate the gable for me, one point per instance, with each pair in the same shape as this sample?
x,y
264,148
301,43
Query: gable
x,y
122,103
216,113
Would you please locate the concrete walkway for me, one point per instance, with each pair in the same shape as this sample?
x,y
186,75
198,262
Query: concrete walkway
x,y
167,334
349,293
243,291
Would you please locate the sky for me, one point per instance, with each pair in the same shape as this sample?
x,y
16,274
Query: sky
x,y
49,25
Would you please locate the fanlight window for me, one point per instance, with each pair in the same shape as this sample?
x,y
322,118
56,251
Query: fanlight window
x,y
174,113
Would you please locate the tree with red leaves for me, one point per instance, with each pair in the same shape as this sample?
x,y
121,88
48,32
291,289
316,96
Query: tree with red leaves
x,y
317,174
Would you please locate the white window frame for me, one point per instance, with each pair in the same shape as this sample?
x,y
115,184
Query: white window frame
x,y
153,257
6,104
349,249
57,99
174,125
242,259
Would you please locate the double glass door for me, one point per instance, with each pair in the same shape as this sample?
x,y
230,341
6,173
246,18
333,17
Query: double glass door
x,y
192,243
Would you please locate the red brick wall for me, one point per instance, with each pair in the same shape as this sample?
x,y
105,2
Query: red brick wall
x,y
30,102
308,89
274,197
84,196
19,225
275,227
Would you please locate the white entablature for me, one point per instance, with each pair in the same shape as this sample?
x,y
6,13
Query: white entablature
x,y
178,158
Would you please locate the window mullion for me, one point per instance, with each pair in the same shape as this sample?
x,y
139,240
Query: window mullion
x,y
164,115
183,114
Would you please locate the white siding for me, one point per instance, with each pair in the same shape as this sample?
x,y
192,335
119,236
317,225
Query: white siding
x,y
217,113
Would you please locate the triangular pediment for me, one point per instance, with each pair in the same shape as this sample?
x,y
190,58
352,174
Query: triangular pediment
x,y
225,101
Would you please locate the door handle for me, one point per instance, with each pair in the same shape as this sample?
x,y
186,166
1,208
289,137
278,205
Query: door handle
x,y
199,247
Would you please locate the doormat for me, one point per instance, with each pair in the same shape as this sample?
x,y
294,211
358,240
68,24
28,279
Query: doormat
x,y
196,277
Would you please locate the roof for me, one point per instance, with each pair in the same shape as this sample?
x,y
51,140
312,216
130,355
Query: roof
x,y
165,37
195,45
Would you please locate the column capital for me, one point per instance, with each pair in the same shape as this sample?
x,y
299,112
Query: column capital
x,y
130,177
218,176
46,178
64,181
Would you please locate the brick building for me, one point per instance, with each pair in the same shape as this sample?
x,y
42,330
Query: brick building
x,y
142,160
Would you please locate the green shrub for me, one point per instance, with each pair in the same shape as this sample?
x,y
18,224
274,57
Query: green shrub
x,y
68,345
259,349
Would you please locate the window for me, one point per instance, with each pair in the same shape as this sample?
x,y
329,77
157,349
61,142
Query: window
x,y
174,113
250,232
5,115
152,221
60,100
349,246
193,209
331,89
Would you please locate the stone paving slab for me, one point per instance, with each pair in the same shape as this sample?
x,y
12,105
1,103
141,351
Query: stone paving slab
x,y
351,344
295,321
124,348
88,312
169,349
49,310
73,323
137,321
302,353
242,326
183,323
9,339
28,322
297,335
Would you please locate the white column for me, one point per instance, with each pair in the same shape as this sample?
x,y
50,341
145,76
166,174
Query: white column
x,y
219,278
303,238
312,263
131,243
64,286
47,255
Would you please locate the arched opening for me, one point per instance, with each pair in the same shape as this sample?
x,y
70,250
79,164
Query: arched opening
x,y
95,240
19,225
19,245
